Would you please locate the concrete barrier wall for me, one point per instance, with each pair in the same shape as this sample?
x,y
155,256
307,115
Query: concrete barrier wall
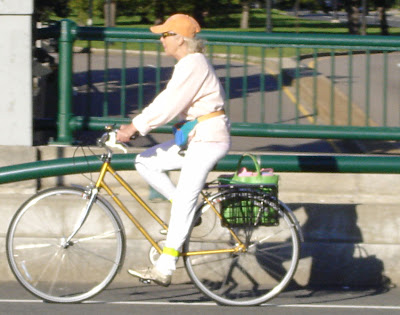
x,y
350,221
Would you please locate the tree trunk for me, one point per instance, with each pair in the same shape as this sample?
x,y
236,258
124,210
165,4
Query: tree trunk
x,y
268,23
296,13
159,11
296,8
353,17
364,10
198,12
110,12
383,21
244,23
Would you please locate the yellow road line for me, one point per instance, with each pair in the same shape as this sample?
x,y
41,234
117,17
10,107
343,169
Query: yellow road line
x,y
303,110
290,95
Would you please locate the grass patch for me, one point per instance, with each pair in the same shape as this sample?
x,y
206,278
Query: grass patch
x,y
282,23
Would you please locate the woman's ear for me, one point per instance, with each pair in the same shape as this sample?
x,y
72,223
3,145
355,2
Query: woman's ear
x,y
180,40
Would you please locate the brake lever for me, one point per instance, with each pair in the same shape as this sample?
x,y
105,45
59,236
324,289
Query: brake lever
x,y
112,142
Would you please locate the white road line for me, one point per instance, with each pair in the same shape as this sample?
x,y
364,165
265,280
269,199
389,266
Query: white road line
x,y
370,307
155,303
20,301
326,306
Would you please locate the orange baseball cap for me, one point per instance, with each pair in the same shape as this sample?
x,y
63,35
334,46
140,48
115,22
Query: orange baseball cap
x,y
181,24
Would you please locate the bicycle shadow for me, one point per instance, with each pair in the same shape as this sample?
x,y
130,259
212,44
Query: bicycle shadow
x,y
333,257
333,246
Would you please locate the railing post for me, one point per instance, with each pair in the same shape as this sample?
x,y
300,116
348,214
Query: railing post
x,y
65,46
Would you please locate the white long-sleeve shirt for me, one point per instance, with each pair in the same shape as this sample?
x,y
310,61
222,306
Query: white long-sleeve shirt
x,y
194,90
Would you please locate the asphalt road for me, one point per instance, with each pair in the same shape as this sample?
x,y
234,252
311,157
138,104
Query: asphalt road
x,y
184,299
367,83
95,100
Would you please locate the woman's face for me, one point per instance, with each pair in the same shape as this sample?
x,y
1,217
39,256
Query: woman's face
x,y
171,43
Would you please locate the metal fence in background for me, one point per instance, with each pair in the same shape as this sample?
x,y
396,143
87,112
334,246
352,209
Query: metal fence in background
x,y
285,85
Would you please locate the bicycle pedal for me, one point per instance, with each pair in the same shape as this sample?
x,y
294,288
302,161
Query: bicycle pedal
x,y
144,281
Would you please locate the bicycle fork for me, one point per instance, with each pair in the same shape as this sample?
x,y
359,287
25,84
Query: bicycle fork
x,y
92,193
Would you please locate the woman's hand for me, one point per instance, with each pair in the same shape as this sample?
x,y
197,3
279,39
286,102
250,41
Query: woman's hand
x,y
125,132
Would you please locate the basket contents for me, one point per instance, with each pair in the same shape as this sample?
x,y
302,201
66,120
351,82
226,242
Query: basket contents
x,y
242,209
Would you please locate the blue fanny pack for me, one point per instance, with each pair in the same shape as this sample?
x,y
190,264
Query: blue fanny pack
x,y
181,131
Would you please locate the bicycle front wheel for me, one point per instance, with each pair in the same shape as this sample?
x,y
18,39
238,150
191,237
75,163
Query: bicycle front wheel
x,y
254,275
49,267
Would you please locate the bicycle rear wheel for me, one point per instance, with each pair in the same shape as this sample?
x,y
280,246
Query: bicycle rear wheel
x,y
53,270
253,276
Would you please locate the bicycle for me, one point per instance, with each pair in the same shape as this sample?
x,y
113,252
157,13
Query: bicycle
x,y
235,259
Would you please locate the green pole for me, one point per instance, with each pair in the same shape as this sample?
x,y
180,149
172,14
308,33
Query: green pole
x,y
65,44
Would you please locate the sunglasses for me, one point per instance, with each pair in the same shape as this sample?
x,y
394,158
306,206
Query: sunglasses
x,y
167,34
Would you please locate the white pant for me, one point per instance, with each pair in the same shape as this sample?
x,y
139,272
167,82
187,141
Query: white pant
x,y
199,159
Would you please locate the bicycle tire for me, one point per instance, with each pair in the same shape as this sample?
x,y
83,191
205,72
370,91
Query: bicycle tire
x,y
246,278
41,262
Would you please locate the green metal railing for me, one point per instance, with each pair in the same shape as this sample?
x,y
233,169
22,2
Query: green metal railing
x,y
280,163
267,78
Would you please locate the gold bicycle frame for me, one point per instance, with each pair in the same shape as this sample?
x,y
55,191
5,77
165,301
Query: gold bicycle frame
x,y
106,168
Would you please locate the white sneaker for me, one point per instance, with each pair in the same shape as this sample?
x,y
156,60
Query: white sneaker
x,y
152,274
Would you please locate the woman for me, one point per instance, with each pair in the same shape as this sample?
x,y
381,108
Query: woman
x,y
193,92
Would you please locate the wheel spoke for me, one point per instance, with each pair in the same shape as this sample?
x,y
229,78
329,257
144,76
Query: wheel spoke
x,y
96,237
46,267
94,254
33,246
